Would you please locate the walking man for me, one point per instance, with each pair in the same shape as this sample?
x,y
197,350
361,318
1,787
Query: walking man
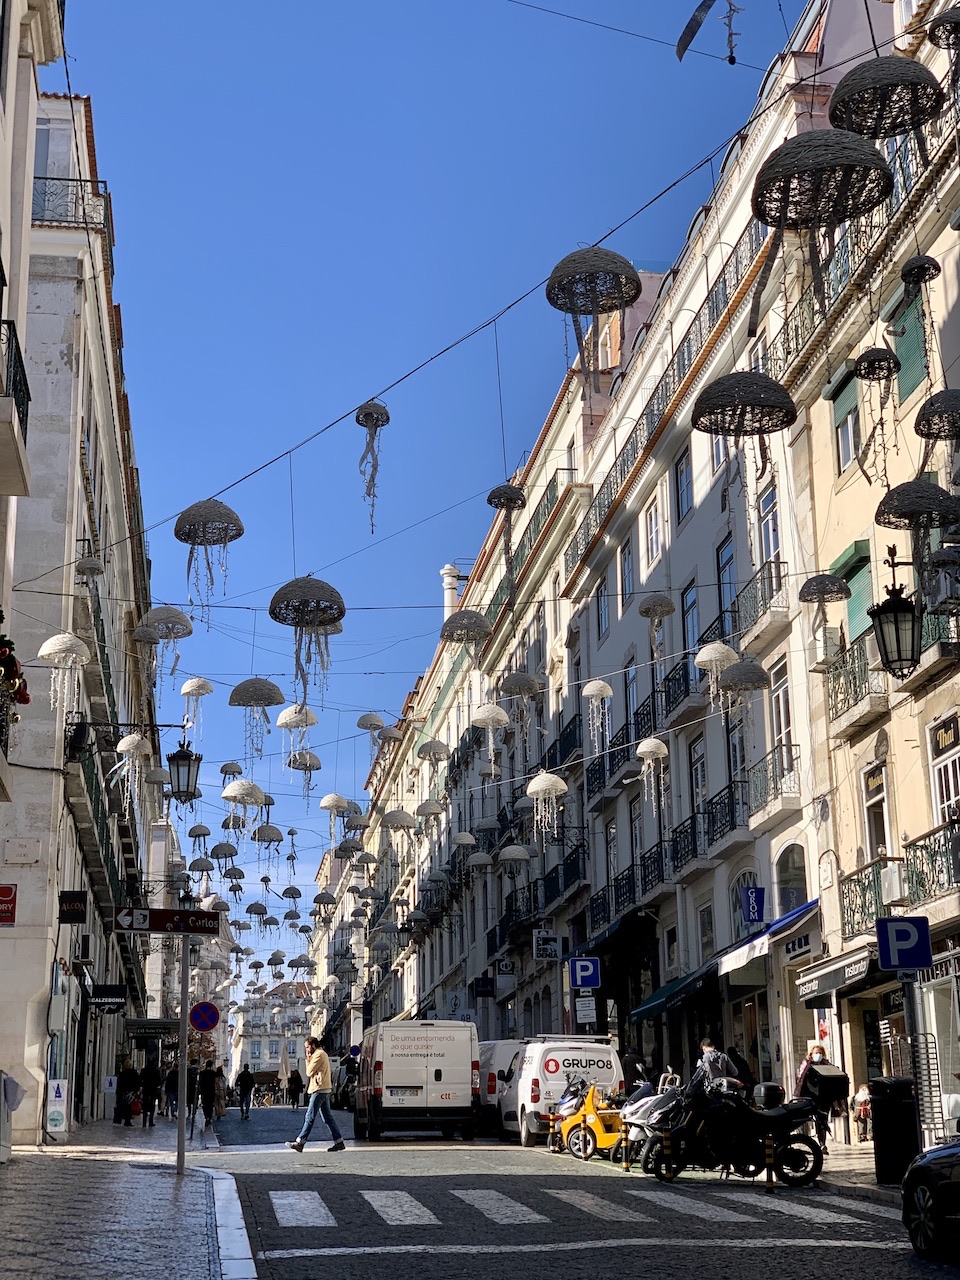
x,y
318,1097
245,1090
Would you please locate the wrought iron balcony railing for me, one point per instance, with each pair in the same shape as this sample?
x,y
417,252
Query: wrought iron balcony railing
x,y
535,526
574,867
14,373
776,774
686,842
652,864
624,891
645,718
860,900
676,687
596,775
933,862
764,589
726,811
619,751
553,884
849,679
567,741
71,202
599,910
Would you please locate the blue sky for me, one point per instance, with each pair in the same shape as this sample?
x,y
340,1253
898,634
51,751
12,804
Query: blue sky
x,y
312,199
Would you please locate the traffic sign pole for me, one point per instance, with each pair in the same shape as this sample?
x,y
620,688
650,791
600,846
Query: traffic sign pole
x,y
182,1075
910,1026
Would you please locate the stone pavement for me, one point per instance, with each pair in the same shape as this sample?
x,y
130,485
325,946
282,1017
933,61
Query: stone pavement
x,y
107,1200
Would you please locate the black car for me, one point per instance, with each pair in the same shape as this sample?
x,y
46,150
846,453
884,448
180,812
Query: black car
x,y
931,1200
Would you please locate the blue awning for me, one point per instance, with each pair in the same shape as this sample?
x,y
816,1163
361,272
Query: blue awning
x,y
758,944
656,1002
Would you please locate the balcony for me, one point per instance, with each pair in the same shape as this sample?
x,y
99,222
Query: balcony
x,y
574,869
933,863
553,494
553,885
727,820
567,742
645,719
596,778
599,906
860,900
6,781
14,410
773,787
939,651
680,696
523,905
761,609
624,891
687,849
856,696
652,865
622,764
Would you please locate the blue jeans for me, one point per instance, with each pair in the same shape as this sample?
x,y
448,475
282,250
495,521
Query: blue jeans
x,y
319,1102
245,1103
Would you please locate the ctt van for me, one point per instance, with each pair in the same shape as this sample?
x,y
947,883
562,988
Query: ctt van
x,y
418,1075
537,1075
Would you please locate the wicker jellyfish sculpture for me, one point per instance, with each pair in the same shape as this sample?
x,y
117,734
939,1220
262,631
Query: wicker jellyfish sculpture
x,y
373,417
311,607
508,498
255,696
208,528
885,97
592,282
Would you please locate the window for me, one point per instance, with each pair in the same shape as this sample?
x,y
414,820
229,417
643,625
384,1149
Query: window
x,y
631,692
255,1049
603,608
780,721
627,585
610,848
758,357
657,643
291,1048
665,807
911,348
651,523
875,812
720,450
769,524
705,932
791,879
945,757
697,759
636,827
274,1048
846,424
555,604
683,484
671,949
726,586
736,750
690,612
745,880
861,598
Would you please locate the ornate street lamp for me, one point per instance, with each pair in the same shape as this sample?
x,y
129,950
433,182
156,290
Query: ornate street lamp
x,y
897,625
184,768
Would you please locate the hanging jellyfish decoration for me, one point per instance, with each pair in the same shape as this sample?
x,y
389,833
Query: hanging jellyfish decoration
x,y
490,718
134,749
651,753
193,691
268,839
885,97
311,607
598,695
546,791
469,629
737,685
877,366
714,658
656,606
372,723
171,625
208,528
255,696
946,561
920,507
434,753
336,805
508,498
696,21
373,417
295,722
592,282
66,655
823,589
744,404
198,833
811,184
431,812
306,763
242,797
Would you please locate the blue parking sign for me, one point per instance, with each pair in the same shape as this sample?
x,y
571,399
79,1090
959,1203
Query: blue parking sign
x,y
903,942
584,972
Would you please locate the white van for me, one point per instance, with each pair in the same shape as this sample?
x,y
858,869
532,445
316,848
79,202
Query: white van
x,y
495,1058
537,1075
418,1075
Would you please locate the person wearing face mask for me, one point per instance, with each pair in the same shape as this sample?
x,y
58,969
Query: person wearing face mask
x,y
815,1057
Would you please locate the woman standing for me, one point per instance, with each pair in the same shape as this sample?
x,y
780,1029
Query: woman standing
x,y
128,1082
220,1095
816,1056
295,1087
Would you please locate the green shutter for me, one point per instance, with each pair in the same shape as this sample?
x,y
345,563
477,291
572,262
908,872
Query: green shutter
x,y
861,598
845,401
910,349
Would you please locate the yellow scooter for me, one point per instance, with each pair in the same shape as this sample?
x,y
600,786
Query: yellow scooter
x,y
595,1127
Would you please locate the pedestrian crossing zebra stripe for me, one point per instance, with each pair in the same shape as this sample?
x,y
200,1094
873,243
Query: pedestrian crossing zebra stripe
x,y
683,1202
400,1209
500,1208
609,1210
795,1209
301,1209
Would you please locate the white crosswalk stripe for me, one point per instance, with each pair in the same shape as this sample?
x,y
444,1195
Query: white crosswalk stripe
x,y
680,1201
301,1209
598,1207
777,1203
500,1208
862,1206
400,1209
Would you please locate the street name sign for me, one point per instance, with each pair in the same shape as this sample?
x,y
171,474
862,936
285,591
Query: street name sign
x,y
160,920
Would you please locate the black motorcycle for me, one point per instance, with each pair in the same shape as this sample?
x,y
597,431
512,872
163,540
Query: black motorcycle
x,y
711,1126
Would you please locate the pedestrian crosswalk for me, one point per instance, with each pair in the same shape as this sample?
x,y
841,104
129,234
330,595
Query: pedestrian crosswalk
x,y
649,1203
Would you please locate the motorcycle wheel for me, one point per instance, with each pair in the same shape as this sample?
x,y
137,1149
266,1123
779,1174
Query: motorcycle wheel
x,y
581,1145
798,1162
655,1157
750,1166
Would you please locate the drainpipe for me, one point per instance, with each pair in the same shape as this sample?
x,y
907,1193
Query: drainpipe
x,y
450,575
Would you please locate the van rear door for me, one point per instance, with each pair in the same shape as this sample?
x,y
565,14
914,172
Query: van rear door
x,y
404,1065
449,1066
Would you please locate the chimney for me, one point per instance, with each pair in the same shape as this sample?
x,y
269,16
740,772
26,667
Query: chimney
x,y
451,580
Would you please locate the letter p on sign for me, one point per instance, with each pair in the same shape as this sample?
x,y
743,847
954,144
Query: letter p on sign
x,y
903,942
584,972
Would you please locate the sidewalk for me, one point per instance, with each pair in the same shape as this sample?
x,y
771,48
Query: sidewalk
x,y
107,1200
849,1171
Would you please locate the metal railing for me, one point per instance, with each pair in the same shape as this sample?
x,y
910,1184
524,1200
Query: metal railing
x,y
933,862
938,628
624,891
101,823
676,687
776,774
596,776
71,202
764,589
14,373
618,753
599,910
652,864
849,679
562,477
685,842
567,741
645,718
553,884
726,811
860,900
688,349
574,867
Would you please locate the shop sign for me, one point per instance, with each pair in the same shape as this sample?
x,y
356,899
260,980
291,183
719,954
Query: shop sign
x,y
891,1002
945,737
809,990
796,948
109,997
873,782
8,904
751,903
73,907
56,1106
483,986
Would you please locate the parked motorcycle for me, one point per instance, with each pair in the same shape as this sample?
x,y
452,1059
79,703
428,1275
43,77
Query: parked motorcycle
x,y
643,1113
711,1126
593,1126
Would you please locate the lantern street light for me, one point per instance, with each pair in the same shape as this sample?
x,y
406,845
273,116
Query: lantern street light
x,y
897,624
184,768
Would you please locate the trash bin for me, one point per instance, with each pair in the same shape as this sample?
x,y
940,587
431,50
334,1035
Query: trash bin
x,y
893,1110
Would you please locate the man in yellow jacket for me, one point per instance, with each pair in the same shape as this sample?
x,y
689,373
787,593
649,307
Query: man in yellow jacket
x,y
318,1097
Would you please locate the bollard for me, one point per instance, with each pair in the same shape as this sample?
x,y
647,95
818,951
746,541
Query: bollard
x,y
625,1146
552,1131
768,1147
584,1135
667,1157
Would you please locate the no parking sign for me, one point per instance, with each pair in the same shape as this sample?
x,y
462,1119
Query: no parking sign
x,y
204,1016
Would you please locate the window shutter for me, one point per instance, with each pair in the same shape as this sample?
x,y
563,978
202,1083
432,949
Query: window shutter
x,y
845,401
861,598
910,350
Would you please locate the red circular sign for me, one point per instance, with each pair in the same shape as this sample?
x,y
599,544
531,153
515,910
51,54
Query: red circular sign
x,y
551,1066
204,1016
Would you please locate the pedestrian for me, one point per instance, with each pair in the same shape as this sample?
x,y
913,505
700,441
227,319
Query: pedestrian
x,y
128,1082
743,1070
318,1097
816,1056
244,1087
295,1088
861,1110
221,1093
715,1063
207,1090
634,1070
150,1081
193,1079
171,1086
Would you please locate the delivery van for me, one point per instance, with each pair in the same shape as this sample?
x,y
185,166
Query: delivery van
x,y
537,1075
418,1075
495,1056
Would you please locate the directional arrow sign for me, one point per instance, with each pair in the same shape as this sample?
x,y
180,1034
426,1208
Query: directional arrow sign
x,y
157,920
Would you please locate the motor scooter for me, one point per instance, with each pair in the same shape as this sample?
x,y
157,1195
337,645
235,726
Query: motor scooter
x,y
594,1126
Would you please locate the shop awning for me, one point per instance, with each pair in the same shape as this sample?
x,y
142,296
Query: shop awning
x,y
656,1002
814,985
759,944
